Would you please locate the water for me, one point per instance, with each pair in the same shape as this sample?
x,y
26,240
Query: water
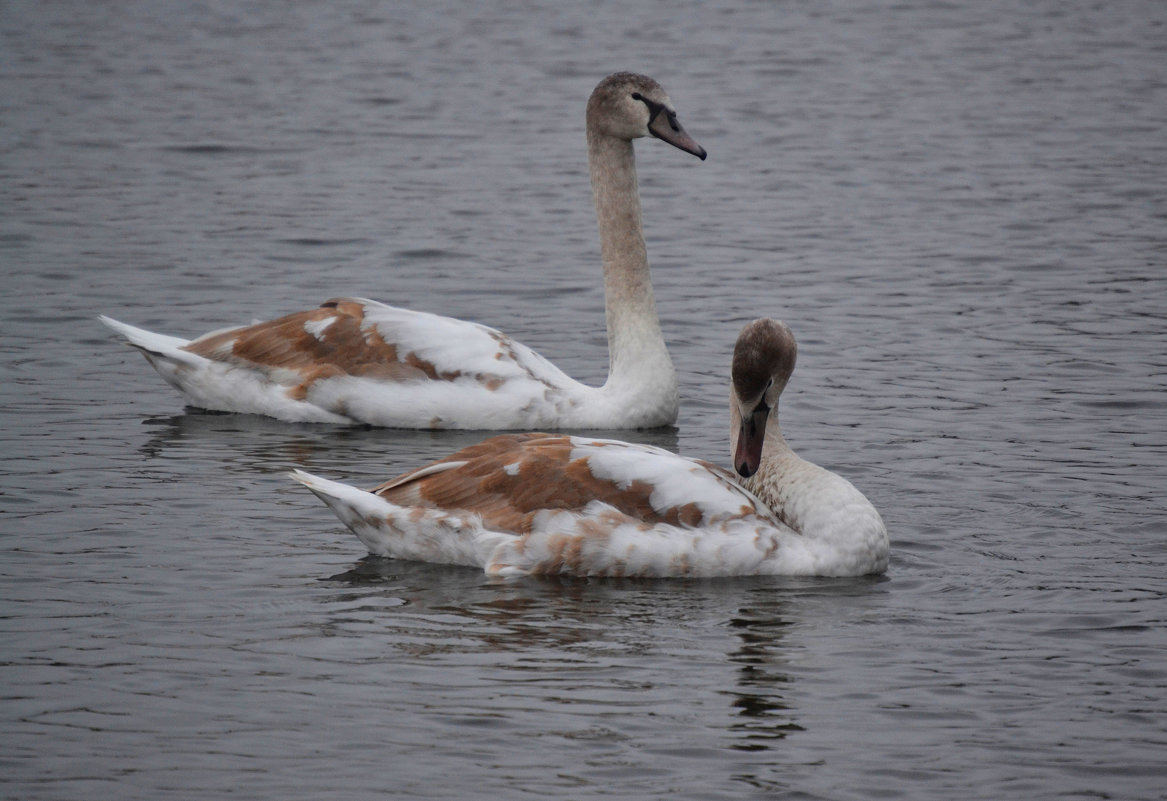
x,y
961,211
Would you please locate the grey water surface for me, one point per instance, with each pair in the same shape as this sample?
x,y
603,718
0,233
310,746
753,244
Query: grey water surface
x,y
959,208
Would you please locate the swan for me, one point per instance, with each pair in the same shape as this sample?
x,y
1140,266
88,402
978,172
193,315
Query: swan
x,y
354,360
529,504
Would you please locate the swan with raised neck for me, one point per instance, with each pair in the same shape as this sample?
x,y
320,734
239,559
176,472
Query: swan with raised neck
x,y
356,360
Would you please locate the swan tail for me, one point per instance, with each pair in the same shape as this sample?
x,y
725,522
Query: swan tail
x,y
151,344
222,385
417,533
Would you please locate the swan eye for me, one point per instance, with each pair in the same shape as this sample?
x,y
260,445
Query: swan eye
x,y
654,109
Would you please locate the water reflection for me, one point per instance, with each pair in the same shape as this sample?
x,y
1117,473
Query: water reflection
x,y
764,716
260,436
255,444
439,611
485,614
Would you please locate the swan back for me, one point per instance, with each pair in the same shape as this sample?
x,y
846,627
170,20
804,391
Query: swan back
x,y
523,504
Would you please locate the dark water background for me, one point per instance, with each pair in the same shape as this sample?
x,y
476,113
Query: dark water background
x,y
959,208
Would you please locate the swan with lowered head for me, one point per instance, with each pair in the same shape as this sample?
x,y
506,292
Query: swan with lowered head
x,y
356,360
524,504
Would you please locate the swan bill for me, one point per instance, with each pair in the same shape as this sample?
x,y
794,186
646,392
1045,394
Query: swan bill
x,y
665,127
748,455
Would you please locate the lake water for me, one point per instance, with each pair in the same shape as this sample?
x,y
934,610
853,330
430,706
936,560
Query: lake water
x,y
959,208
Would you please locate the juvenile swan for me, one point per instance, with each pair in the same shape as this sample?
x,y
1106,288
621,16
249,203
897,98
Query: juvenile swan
x,y
523,504
356,360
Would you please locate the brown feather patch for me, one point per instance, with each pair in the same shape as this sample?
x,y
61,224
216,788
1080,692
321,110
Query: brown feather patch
x,y
508,479
342,347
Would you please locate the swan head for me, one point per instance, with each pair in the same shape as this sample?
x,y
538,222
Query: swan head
x,y
763,361
628,106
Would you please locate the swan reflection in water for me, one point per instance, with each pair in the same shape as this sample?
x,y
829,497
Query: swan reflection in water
x,y
615,642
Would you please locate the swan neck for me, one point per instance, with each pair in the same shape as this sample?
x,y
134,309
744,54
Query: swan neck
x,y
635,342
778,465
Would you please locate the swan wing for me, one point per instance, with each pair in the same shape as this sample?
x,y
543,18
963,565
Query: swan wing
x,y
352,359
